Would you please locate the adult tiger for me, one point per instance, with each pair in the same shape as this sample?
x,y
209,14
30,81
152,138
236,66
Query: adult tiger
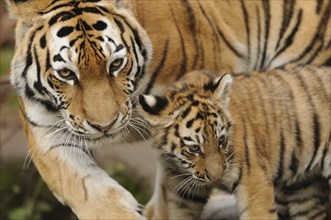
x,y
78,63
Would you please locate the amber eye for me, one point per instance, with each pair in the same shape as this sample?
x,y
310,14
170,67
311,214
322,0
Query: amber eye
x,y
193,148
67,74
115,65
221,140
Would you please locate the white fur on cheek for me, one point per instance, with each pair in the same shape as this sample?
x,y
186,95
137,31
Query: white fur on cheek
x,y
39,114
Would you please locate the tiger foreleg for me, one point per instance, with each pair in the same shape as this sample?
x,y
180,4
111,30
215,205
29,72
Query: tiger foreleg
x,y
76,180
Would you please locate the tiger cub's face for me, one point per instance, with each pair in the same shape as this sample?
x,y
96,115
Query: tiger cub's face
x,y
191,128
82,60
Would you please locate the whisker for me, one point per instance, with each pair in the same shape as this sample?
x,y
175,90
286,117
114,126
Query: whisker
x,y
183,186
141,123
34,148
180,175
187,187
137,129
229,157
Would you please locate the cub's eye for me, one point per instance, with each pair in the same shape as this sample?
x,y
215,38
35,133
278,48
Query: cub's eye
x,y
115,65
221,140
193,148
67,74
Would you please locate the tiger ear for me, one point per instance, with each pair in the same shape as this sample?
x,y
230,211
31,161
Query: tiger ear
x,y
152,108
221,88
27,11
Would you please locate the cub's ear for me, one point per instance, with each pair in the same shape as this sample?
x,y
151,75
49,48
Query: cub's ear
x,y
153,104
221,87
152,107
28,11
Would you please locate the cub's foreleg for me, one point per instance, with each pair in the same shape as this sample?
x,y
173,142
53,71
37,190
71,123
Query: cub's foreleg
x,y
255,194
157,207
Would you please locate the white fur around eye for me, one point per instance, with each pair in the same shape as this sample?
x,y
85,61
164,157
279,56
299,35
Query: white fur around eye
x,y
121,54
115,73
221,140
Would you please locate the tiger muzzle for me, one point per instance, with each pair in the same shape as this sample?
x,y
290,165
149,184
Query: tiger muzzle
x,y
103,128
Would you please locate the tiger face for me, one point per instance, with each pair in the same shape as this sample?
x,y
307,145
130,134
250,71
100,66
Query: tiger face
x,y
80,61
192,130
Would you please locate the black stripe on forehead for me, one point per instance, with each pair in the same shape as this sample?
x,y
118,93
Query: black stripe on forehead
x,y
83,24
56,7
119,47
135,36
186,112
58,58
72,13
190,123
73,41
64,14
93,10
100,25
65,31
187,138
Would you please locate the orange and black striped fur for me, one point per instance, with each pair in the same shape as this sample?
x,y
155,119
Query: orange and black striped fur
x,y
232,36
75,69
268,133
79,64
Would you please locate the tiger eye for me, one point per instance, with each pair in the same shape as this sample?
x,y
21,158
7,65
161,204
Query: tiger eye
x,y
221,140
194,148
115,65
67,74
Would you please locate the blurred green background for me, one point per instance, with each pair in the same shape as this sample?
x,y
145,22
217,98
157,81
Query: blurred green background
x,y
23,194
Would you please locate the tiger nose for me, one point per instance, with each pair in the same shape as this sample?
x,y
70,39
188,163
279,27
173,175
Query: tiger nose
x,y
199,175
214,174
100,127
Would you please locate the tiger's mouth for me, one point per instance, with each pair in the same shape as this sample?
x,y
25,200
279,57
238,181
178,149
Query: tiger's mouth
x,y
82,133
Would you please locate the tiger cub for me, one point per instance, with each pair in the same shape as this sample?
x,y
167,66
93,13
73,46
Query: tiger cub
x,y
252,134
